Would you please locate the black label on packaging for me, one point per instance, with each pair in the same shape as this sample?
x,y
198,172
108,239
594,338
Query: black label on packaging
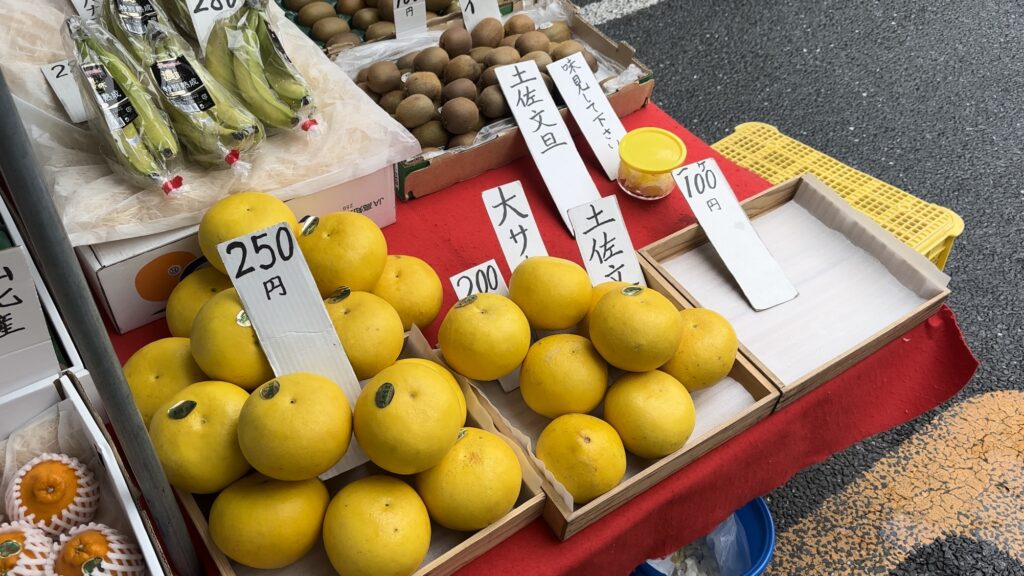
x,y
135,14
178,81
118,109
277,43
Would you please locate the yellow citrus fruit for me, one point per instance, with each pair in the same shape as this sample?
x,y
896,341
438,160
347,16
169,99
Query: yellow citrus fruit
x,y
635,329
369,329
447,375
189,296
295,427
407,418
156,280
484,336
160,370
476,483
553,293
651,411
563,373
237,215
413,288
584,454
224,343
706,350
266,523
195,436
344,249
376,526
600,290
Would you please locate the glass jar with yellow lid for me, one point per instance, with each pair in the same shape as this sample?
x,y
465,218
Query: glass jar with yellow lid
x,y
647,158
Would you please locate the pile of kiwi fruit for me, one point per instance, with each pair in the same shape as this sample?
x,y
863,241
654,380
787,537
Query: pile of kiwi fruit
x,y
445,94
341,24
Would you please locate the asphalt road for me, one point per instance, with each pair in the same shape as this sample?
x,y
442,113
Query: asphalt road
x,y
924,95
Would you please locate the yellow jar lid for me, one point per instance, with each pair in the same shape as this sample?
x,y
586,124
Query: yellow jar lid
x,y
652,150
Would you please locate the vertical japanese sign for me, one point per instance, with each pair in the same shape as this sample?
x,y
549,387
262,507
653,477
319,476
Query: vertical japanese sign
x,y
604,243
87,9
62,81
26,353
547,137
591,109
284,306
410,17
730,232
513,223
473,11
482,278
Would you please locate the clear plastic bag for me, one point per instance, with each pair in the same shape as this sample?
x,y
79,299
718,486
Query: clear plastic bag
x,y
128,21
723,552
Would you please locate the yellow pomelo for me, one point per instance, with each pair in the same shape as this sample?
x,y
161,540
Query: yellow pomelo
x,y
240,214
376,526
412,287
266,523
553,293
369,329
563,373
160,370
448,376
476,483
189,296
706,350
407,418
600,290
195,436
584,453
484,336
295,427
635,329
651,411
344,249
224,343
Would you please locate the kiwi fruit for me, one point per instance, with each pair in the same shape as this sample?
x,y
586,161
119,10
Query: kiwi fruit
x,y
383,77
460,88
548,82
465,139
483,121
379,30
437,5
349,7
431,135
591,60
502,56
567,48
390,101
532,42
432,59
480,54
456,41
361,75
459,115
345,39
426,83
366,88
461,67
370,3
365,18
487,32
509,40
519,24
327,27
557,32
489,77
415,110
492,102
431,15
542,59
406,61
386,10
296,5
314,11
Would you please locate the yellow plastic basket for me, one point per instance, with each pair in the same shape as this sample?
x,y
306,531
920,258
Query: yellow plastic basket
x,y
925,227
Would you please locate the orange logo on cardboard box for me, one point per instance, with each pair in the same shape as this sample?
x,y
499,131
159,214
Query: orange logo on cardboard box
x,y
157,278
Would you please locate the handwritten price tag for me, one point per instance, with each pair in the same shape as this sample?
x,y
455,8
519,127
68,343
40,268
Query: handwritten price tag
x,y
410,17
473,11
26,353
87,9
60,77
482,278
604,242
205,13
513,223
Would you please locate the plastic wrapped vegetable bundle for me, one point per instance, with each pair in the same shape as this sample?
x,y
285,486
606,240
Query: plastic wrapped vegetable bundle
x,y
177,10
140,144
128,21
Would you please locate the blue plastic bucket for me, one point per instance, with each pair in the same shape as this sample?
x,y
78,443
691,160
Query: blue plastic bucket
x,y
756,520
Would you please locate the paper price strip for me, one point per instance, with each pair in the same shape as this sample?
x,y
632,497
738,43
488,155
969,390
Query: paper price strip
x,y
205,13
283,304
547,137
25,350
473,11
482,278
87,9
60,77
591,110
513,223
604,243
730,232
410,17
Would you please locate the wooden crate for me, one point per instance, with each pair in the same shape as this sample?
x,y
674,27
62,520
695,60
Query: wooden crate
x,y
693,236
530,504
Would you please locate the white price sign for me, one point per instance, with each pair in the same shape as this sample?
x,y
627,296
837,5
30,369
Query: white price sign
x,y
205,13
26,353
87,9
473,11
410,17
479,279
730,232
282,302
604,243
591,109
547,137
513,223
60,77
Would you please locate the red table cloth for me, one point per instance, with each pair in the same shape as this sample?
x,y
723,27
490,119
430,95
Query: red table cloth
x,y
450,230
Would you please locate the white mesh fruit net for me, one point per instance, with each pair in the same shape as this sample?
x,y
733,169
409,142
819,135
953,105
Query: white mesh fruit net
x,y
82,508
30,555
122,559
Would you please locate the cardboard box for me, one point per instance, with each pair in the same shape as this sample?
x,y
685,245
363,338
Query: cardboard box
x,y
132,279
449,550
859,286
